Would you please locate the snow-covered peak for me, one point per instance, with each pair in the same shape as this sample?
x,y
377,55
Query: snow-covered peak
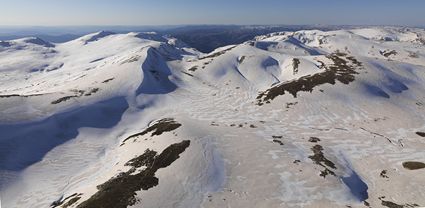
x,y
36,41
150,36
373,33
95,36
29,41
392,34
4,43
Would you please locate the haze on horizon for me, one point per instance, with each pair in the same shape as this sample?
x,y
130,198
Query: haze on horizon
x,y
171,12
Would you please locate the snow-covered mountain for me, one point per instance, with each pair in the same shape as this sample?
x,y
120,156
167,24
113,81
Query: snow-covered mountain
x,y
291,119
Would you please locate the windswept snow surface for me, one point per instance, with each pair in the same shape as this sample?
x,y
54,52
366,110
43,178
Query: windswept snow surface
x,y
291,119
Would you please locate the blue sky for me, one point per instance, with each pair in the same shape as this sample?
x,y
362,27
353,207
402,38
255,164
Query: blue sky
x,y
174,12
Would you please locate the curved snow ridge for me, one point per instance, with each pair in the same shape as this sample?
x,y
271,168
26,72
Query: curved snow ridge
x,y
74,75
155,75
95,36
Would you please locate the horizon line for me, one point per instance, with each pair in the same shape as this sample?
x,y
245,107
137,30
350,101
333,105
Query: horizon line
x,y
211,24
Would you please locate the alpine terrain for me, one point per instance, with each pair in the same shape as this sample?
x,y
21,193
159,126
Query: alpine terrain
x,y
289,119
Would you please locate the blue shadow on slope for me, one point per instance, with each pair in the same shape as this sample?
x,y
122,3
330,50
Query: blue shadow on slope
x,y
22,145
376,91
269,61
155,75
296,42
395,82
357,187
395,86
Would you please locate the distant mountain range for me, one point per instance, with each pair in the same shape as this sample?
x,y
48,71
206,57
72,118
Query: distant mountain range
x,y
205,38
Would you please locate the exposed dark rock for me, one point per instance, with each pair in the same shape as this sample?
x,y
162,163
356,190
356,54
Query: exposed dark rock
x,y
319,158
395,205
8,96
194,68
161,126
188,74
366,203
377,134
69,201
131,59
53,68
92,91
63,99
295,63
77,93
214,124
288,105
17,95
278,142
388,53
343,70
383,174
422,134
96,60
413,54
391,204
143,160
120,191
413,165
314,139
108,80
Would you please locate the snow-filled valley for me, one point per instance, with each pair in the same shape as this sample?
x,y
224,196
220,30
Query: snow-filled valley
x,y
290,119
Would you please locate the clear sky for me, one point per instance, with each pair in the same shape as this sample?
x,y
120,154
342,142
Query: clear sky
x,y
174,12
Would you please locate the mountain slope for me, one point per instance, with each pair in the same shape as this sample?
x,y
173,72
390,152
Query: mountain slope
x,y
307,118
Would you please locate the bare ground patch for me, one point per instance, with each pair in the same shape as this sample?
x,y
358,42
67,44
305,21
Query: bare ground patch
x,y
120,191
343,70
161,126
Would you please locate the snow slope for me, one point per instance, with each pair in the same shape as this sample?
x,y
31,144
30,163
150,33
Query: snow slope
x,y
293,119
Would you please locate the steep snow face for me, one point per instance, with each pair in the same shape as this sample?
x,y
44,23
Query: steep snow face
x,y
291,119
79,69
